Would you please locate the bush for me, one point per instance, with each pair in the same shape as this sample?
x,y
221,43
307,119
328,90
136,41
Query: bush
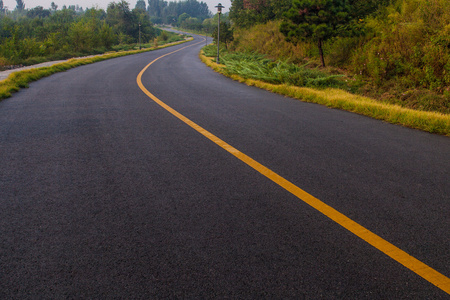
x,y
410,41
3,62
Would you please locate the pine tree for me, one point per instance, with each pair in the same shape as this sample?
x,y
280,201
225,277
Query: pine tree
x,y
316,20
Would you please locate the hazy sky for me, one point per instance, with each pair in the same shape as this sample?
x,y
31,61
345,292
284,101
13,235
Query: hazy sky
x,y
11,4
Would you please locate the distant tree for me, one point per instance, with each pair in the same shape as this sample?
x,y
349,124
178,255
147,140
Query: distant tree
x,y
125,23
119,13
148,32
76,8
38,12
106,35
2,8
53,6
209,25
119,17
62,18
20,5
80,36
182,18
140,4
316,20
169,12
194,8
226,34
156,7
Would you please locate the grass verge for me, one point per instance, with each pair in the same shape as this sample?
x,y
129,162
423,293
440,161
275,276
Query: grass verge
x,y
432,122
21,79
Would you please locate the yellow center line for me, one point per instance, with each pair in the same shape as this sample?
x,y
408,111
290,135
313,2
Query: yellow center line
x,y
418,267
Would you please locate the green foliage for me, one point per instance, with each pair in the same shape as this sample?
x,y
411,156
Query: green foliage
x,y
183,17
39,33
140,4
2,7
410,44
164,36
226,34
175,13
20,5
362,8
257,66
80,36
247,13
38,12
316,20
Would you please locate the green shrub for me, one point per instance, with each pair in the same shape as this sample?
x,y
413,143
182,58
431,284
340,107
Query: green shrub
x,y
411,41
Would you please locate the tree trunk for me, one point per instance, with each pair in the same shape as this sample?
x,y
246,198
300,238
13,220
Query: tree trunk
x,y
321,52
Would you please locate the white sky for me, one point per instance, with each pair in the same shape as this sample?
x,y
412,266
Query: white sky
x,y
11,4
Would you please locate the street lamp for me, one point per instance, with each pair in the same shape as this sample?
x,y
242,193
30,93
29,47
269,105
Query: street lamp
x,y
219,11
139,36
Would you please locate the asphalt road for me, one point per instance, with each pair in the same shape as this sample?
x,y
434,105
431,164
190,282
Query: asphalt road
x,y
104,194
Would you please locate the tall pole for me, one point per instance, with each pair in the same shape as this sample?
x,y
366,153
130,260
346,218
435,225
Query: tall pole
x,y
219,11
139,36
218,39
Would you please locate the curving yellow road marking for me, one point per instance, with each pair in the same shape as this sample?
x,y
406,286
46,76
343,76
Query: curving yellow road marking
x,y
418,267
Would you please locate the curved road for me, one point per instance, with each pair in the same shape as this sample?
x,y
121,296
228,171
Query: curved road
x,y
105,194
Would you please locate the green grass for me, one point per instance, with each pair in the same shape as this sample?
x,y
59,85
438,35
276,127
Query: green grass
x,y
257,66
332,97
21,79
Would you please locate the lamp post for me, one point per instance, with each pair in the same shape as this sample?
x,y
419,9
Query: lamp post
x,y
139,36
219,11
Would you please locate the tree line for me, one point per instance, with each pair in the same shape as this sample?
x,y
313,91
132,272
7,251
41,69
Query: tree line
x,y
175,13
31,34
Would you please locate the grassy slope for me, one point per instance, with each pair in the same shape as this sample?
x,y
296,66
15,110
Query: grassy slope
x,y
408,69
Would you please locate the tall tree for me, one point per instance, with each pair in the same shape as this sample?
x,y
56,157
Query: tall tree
x,y
119,17
316,20
140,4
2,8
20,5
226,34
155,7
